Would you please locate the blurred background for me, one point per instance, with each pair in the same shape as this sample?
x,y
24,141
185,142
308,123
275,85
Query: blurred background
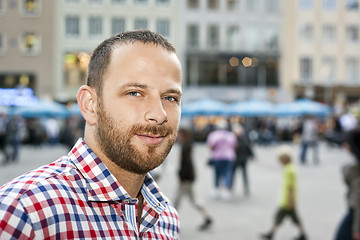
x,y
274,50
264,64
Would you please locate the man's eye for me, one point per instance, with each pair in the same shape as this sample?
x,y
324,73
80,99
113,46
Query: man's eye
x,y
171,99
135,94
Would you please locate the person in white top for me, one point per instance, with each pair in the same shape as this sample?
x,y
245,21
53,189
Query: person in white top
x,y
309,138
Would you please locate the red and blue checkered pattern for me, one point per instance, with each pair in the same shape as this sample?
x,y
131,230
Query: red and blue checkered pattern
x,y
76,197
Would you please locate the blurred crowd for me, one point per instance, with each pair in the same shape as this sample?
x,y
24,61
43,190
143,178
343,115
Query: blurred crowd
x,y
268,130
16,131
231,142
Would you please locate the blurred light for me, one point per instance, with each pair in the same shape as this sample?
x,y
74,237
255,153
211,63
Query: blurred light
x,y
247,61
24,80
17,97
234,61
70,59
84,59
9,80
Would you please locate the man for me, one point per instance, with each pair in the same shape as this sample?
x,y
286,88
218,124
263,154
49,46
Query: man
x,y
309,139
102,189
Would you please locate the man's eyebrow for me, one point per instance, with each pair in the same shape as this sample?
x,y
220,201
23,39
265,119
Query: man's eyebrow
x,y
174,91
138,85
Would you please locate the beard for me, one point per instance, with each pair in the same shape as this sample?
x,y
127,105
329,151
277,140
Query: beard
x,y
115,142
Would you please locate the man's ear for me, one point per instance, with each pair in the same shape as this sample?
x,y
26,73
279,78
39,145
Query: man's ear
x,y
86,98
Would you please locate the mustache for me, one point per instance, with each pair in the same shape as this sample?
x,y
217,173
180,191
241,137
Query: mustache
x,y
151,130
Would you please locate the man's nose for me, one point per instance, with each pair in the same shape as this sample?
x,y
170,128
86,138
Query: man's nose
x,y
156,112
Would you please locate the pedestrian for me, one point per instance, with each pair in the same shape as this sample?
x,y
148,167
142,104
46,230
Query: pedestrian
x,y
222,143
309,138
3,123
244,153
102,189
15,132
71,131
187,175
348,121
36,133
52,129
288,200
349,228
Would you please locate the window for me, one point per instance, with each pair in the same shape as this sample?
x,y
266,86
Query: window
x,y
141,2
272,6
75,67
95,1
95,26
11,81
251,71
352,72
271,38
252,5
352,34
252,38
329,4
233,37
30,43
193,4
193,36
328,70
163,2
2,43
209,72
306,70
30,8
117,25
352,5
72,1
140,24
213,4
163,28
2,7
329,33
306,32
271,66
233,4
72,26
118,2
306,4
213,36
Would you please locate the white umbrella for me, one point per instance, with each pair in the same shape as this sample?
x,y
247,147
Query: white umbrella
x,y
205,106
251,108
42,108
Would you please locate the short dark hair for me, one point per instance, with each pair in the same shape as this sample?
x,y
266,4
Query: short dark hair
x,y
100,57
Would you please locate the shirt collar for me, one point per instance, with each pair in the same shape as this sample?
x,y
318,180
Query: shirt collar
x,y
103,186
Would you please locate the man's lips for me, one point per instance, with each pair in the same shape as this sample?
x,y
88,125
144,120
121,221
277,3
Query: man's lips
x,y
151,139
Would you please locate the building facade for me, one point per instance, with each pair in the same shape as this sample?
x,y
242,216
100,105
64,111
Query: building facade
x,y
231,48
82,24
321,49
26,45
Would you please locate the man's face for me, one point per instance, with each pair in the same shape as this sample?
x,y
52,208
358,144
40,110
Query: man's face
x,y
139,111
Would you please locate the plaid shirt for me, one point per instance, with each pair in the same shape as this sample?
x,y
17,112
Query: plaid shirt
x,y
77,197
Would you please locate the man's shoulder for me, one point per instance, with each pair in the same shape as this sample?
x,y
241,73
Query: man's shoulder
x,y
42,179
